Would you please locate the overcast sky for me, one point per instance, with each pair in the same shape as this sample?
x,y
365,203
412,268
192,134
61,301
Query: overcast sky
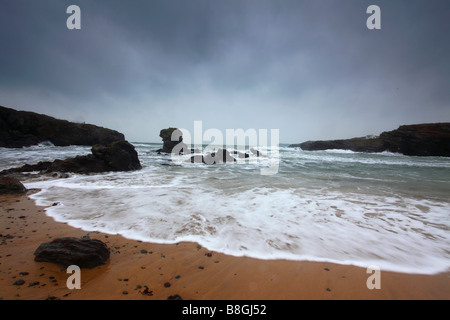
x,y
311,69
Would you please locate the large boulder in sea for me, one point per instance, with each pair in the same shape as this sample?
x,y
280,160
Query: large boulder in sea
x,y
84,253
21,129
117,156
11,185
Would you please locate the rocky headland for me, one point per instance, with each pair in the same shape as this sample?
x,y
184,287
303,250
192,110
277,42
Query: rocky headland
x,y
110,150
431,139
22,129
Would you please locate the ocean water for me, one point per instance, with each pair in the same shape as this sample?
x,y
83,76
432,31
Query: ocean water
x,y
363,209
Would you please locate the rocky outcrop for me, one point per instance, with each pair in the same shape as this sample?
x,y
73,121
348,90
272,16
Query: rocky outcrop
x,y
419,140
117,156
356,144
167,135
84,253
20,129
412,140
220,156
173,143
11,185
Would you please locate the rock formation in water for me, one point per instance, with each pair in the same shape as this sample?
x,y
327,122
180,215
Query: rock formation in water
x,y
173,143
220,156
117,156
171,138
21,129
413,140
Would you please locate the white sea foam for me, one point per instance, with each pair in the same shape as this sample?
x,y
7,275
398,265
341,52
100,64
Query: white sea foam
x,y
359,209
395,233
339,151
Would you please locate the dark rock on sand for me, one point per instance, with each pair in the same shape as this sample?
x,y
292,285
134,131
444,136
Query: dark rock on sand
x,y
117,156
146,291
11,185
20,128
85,253
412,140
19,282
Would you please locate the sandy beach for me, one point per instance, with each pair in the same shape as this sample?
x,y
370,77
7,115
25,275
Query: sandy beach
x,y
147,271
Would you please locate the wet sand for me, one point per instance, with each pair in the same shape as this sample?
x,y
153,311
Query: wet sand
x,y
148,271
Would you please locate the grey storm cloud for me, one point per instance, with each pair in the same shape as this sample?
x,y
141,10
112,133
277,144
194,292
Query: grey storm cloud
x,y
309,68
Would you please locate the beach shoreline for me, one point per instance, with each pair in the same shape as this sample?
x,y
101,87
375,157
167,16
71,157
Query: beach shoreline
x,y
147,271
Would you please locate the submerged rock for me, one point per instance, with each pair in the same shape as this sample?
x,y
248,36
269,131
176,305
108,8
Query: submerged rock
x,y
85,253
220,156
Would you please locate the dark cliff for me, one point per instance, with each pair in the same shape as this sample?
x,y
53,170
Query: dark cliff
x,y
431,139
21,129
419,140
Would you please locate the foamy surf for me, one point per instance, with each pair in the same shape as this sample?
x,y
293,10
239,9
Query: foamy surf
x,y
348,208
396,234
